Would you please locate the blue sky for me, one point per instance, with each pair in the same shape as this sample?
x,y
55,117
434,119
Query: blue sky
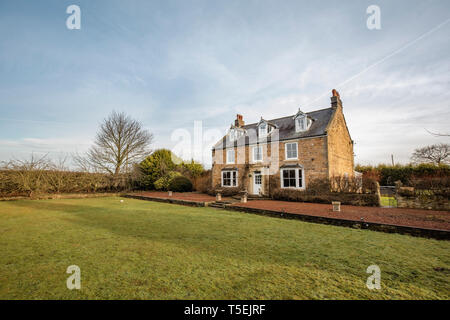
x,y
170,63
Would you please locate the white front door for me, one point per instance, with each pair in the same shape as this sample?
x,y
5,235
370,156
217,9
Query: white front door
x,y
257,182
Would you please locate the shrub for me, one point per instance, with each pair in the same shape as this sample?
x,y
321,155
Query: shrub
x,y
359,199
156,166
372,174
347,190
180,184
164,182
203,182
191,169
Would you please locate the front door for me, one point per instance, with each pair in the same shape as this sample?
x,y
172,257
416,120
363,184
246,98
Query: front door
x,y
257,182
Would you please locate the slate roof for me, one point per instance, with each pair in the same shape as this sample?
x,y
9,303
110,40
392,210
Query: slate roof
x,y
286,127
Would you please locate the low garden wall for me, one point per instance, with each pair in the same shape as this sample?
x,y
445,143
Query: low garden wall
x,y
355,199
422,200
388,228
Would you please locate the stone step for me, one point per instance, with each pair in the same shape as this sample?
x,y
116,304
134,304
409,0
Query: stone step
x,y
225,202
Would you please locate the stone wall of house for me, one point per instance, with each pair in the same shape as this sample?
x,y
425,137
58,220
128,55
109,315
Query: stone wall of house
x,y
312,155
219,163
340,146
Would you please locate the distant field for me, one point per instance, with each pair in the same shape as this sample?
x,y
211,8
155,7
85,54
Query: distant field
x,y
148,250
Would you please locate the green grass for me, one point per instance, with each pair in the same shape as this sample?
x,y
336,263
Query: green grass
x,y
148,250
388,202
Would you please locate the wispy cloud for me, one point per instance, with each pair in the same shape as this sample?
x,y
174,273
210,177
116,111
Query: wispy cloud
x,y
169,64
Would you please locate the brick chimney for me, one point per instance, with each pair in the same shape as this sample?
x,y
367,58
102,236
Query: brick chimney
x,y
239,122
335,99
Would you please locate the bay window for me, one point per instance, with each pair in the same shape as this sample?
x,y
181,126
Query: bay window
x,y
292,178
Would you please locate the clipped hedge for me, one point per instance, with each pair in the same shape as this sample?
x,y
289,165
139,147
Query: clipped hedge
x,y
28,183
347,190
387,175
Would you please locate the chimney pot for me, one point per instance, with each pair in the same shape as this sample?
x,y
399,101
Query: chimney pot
x,y
239,122
335,99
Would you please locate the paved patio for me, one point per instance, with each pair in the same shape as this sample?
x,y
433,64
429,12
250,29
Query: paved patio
x,y
428,219
395,216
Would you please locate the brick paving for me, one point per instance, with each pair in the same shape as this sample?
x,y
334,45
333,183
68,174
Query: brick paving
x,y
429,219
397,216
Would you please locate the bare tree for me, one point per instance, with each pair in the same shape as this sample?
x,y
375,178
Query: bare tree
x,y
120,142
436,153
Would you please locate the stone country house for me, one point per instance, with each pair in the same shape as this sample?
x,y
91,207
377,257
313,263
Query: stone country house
x,y
286,152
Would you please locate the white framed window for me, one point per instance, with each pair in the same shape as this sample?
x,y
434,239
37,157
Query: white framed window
x,y
229,178
262,129
257,153
292,178
230,156
291,150
300,124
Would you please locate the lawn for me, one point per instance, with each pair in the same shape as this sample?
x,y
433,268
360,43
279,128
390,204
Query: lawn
x,y
147,250
388,201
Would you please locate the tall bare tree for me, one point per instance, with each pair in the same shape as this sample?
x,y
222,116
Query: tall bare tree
x,y
120,142
436,153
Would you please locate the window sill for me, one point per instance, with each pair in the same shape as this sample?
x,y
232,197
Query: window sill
x,y
293,188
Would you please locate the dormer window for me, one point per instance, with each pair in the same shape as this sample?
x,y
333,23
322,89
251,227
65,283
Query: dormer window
x,y
300,124
302,121
263,129
235,133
